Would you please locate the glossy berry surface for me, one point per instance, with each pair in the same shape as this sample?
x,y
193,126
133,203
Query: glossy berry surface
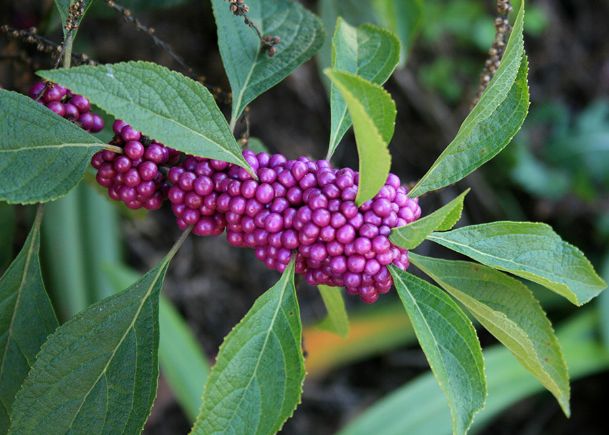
x,y
64,103
297,207
134,176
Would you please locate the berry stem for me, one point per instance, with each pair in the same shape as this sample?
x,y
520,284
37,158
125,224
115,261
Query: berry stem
x,y
113,148
67,50
177,245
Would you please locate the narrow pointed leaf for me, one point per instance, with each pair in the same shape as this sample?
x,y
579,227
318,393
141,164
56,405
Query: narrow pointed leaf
x,y
257,381
355,12
449,341
63,6
416,408
367,51
412,235
491,124
529,250
373,113
163,104
337,320
509,311
42,155
26,319
250,70
100,369
402,17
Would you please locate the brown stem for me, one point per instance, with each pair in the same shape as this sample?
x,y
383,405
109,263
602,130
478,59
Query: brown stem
x,y
495,54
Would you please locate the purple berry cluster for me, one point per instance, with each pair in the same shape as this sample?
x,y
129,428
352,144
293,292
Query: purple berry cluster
x,y
71,106
297,206
135,176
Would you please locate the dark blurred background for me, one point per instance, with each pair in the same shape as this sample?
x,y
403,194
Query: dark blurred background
x,y
556,171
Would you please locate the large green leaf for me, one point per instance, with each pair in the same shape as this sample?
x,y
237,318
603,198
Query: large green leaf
x,y
367,51
164,104
529,250
180,356
412,235
449,341
492,123
99,370
26,319
509,311
373,113
257,381
63,6
42,156
336,321
250,70
402,17
417,408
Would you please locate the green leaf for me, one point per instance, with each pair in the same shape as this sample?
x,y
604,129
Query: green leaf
x,y
337,320
412,235
7,234
355,12
402,17
367,51
182,361
26,319
161,103
257,381
529,250
42,155
417,408
63,6
509,311
250,70
100,369
373,113
449,341
491,124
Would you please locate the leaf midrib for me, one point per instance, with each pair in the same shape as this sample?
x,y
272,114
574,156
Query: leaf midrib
x,y
532,269
122,339
129,99
436,345
268,333
52,147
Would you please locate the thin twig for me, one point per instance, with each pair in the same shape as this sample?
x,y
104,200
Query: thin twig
x,y
502,33
128,16
151,32
268,43
30,36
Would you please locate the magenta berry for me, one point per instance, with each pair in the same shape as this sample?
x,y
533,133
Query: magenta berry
x,y
298,208
135,179
73,107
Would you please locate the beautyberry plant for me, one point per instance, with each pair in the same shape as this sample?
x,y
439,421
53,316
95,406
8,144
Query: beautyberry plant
x,y
336,227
